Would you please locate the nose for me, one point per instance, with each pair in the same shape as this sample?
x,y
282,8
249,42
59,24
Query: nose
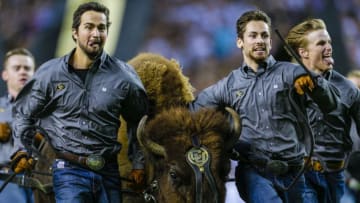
x,y
259,39
328,46
96,32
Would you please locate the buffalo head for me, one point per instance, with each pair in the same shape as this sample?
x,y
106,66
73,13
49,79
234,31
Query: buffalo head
x,y
187,153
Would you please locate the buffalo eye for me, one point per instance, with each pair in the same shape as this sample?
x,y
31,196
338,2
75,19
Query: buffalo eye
x,y
174,176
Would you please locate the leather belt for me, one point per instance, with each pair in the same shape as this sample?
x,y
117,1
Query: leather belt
x,y
92,162
318,166
275,167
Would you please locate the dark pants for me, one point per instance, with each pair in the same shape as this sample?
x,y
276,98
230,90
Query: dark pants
x,y
324,187
78,185
254,186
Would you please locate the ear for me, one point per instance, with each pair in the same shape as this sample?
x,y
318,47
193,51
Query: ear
x,y
239,43
4,75
74,34
303,53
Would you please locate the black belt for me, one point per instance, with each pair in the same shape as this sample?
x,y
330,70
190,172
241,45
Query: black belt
x,y
92,162
276,167
318,166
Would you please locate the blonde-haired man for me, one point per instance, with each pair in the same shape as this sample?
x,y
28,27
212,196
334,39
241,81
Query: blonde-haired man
x,y
325,178
19,67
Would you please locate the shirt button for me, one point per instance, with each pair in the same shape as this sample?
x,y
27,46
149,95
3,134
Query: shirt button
x,y
83,122
260,93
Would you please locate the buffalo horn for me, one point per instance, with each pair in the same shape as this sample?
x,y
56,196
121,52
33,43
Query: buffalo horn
x,y
146,142
236,128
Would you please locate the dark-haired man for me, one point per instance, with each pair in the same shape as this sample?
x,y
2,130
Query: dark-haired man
x,y
78,98
270,97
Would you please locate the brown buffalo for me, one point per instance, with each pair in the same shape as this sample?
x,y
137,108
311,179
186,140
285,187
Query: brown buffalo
x,y
42,172
187,154
166,87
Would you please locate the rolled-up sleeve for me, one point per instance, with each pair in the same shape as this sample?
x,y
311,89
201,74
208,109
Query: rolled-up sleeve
x,y
28,104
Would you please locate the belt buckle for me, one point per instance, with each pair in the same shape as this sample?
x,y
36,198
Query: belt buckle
x,y
317,166
277,167
95,162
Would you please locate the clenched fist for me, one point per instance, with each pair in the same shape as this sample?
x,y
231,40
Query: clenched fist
x,y
5,132
21,161
304,83
138,178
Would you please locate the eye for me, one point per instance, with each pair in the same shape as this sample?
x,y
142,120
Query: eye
x,y
252,36
102,28
173,175
265,36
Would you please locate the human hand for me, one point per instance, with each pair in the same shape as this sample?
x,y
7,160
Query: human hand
x,y
5,132
38,138
20,161
138,178
304,83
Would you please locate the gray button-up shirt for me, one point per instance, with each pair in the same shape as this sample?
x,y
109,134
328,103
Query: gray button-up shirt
x,y
273,115
83,117
6,148
332,130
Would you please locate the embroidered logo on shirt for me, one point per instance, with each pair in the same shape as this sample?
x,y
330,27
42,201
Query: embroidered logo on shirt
x,y
60,86
239,93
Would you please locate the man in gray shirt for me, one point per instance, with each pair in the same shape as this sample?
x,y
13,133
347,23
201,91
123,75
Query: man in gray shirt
x,y
19,67
78,98
325,178
270,98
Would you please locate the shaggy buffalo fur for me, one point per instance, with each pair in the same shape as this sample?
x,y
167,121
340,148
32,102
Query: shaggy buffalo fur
x,y
163,80
174,130
166,86
43,165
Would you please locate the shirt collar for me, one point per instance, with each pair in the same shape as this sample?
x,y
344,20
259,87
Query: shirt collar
x,y
267,64
10,98
327,75
100,60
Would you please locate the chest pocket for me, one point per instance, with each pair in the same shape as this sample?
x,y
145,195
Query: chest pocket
x,y
280,103
60,95
107,100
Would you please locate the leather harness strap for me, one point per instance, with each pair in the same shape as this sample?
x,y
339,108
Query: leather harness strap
x,y
199,158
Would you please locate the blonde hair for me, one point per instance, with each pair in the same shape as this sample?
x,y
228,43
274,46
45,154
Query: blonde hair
x,y
18,51
354,73
296,36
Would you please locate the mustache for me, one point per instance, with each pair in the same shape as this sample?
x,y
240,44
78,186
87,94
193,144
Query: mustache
x,y
95,42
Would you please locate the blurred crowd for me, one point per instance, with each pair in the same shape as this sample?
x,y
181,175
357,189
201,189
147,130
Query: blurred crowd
x,y
22,20
200,34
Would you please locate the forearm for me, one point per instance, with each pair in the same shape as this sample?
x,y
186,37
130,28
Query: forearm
x,y
325,95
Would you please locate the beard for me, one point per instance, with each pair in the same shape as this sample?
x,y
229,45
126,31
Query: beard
x,y
90,52
259,59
